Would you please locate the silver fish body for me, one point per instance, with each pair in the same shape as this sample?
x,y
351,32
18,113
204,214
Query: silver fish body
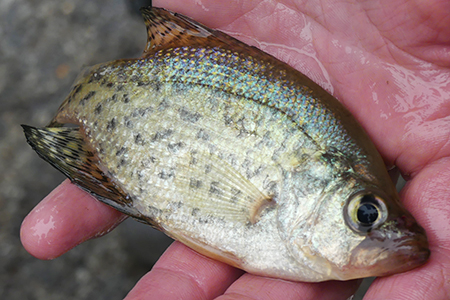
x,y
235,154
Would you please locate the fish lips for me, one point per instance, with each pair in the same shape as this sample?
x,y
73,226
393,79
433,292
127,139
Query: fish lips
x,y
397,246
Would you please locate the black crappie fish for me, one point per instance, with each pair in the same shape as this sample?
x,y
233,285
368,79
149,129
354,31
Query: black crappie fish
x,y
235,154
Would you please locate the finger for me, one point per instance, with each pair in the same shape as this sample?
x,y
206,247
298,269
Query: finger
x,y
426,197
261,288
182,273
67,217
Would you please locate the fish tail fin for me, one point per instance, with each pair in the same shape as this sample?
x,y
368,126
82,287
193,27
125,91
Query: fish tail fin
x,y
66,150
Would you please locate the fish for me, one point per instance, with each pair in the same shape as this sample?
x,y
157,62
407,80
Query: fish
x,y
234,153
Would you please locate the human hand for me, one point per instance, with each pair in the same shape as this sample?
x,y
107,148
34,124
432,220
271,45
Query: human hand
x,y
387,62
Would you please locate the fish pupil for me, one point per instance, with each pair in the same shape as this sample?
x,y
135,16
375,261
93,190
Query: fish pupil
x,y
367,213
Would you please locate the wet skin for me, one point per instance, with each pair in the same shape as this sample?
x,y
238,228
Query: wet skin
x,y
388,67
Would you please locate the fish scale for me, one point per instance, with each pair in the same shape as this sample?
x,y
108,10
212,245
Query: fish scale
x,y
234,153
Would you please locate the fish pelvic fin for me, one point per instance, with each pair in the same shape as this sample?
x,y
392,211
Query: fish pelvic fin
x,y
166,29
66,150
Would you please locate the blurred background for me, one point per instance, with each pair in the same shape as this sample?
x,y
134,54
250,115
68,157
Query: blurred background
x,y
44,44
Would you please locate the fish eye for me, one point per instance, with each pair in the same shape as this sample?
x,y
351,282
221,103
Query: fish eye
x,y
364,212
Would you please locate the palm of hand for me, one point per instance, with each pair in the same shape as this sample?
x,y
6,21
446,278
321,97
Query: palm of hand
x,y
388,63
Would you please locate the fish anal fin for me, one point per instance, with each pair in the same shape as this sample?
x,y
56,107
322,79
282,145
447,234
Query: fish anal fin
x,y
66,150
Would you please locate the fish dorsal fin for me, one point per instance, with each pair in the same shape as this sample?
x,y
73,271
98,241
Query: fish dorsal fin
x,y
166,29
66,150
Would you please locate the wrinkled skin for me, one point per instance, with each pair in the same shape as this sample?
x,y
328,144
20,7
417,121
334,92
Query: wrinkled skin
x,y
389,63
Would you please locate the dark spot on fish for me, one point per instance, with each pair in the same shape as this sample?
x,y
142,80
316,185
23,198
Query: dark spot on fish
x,y
121,76
178,204
175,147
203,220
157,86
208,169
128,122
101,149
194,183
153,211
236,195
246,164
147,162
166,174
87,97
109,174
77,89
163,105
265,141
110,84
114,98
126,99
146,110
141,111
138,140
143,83
95,77
202,134
242,133
111,124
119,87
195,212
122,162
227,120
121,151
214,188
178,87
162,135
188,116
193,160
98,109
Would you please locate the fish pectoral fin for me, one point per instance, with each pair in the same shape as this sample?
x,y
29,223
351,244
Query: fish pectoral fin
x,y
65,149
166,29
214,187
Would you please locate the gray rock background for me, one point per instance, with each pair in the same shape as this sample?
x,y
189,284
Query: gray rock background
x,y
43,46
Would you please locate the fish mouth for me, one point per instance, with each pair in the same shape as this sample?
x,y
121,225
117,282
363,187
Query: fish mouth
x,y
408,251
405,254
380,254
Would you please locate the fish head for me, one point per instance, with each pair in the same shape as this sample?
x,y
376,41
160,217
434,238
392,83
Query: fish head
x,y
353,229
392,240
